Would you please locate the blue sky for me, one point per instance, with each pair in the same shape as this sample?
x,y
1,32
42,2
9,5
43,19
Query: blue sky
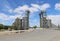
x,y
11,9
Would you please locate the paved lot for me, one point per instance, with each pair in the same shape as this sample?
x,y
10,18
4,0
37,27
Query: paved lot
x,y
36,35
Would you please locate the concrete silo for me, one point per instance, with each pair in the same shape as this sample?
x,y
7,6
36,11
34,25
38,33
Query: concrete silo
x,y
26,20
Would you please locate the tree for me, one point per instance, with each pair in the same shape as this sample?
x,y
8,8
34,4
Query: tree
x,y
6,27
34,27
14,27
1,26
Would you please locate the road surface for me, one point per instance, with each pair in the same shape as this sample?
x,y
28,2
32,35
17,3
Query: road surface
x,y
36,35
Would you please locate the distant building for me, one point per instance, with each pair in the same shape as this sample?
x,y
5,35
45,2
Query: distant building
x,y
25,26
18,24
26,20
49,24
43,19
44,22
22,24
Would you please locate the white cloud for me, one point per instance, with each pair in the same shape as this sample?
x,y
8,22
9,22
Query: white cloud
x,y
6,17
3,16
55,19
41,7
33,8
57,6
21,9
45,6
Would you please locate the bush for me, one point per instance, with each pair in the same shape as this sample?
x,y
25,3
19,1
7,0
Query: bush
x,y
6,27
14,27
34,27
1,26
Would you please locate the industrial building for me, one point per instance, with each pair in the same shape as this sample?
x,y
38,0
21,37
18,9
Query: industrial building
x,y
44,22
17,24
25,24
26,20
22,24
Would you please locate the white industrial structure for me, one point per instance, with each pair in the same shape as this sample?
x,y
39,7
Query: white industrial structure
x,y
44,22
22,24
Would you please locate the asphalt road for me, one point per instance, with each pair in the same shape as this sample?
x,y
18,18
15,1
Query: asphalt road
x,y
36,35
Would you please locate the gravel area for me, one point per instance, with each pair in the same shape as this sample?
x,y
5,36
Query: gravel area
x,y
33,35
